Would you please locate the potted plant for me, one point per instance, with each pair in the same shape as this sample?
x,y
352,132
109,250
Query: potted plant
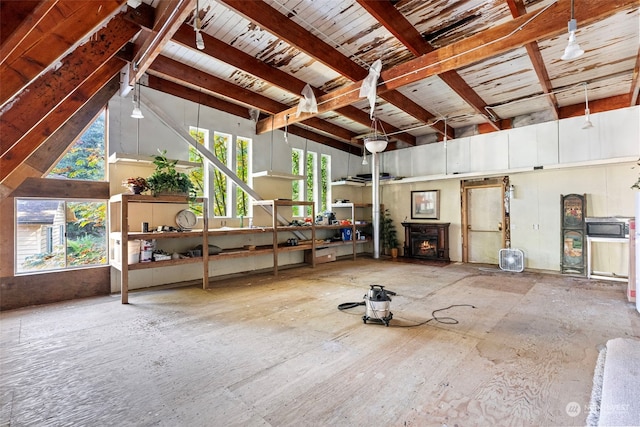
x,y
389,234
167,180
136,184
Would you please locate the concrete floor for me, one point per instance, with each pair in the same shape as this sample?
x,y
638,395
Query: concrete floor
x,y
260,351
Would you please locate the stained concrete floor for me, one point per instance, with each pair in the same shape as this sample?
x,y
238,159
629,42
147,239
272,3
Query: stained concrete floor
x,y
265,351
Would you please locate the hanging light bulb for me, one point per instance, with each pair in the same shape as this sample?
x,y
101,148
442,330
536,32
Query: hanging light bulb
x,y
199,40
364,156
587,124
198,28
137,112
573,50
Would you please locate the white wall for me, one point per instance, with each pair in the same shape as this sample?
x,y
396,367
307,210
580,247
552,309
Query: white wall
x,y
598,162
543,161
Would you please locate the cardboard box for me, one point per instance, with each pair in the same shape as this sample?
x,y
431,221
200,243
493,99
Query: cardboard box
x,y
322,255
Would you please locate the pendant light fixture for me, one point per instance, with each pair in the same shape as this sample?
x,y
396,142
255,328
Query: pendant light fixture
x,y
573,50
587,124
137,112
197,27
364,155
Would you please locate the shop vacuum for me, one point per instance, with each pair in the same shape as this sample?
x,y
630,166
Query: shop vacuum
x,y
378,305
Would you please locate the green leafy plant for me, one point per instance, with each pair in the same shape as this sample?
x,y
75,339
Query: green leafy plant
x,y
166,179
389,234
637,184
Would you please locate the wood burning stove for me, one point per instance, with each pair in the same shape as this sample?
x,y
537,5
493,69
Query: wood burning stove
x,y
426,240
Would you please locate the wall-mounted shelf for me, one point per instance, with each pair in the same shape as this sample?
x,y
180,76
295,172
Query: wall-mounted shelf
x,y
279,175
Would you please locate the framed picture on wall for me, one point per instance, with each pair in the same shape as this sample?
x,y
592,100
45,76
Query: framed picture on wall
x,y
425,204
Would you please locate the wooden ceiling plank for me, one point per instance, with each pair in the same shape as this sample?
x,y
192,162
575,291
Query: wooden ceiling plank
x,y
31,140
518,8
183,74
249,64
396,23
294,34
53,87
14,35
170,14
52,44
192,95
475,48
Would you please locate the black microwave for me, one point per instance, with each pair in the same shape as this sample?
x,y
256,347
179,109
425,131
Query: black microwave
x,y
612,227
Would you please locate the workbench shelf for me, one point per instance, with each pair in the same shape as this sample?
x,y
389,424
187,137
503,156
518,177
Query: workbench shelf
x,y
309,230
119,226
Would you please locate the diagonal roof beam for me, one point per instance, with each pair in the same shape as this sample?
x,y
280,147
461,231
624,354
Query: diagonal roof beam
x,y
169,15
403,30
52,88
249,64
54,119
62,30
486,44
517,9
286,29
20,19
183,74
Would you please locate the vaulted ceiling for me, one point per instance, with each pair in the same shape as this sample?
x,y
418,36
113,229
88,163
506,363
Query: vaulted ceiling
x,y
447,65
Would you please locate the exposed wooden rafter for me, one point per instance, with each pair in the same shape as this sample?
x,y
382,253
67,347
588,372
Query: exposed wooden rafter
x,y
475,48
398,25
294,34
517,9
68,24
249,64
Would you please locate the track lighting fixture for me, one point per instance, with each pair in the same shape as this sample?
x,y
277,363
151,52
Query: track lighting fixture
x,y
137,112
573,50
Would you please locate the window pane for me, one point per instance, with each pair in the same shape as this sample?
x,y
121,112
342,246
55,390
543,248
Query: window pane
x,y
296,187
198,176
311,176
220,184
86,157
41,225
86,233
325,183
242,171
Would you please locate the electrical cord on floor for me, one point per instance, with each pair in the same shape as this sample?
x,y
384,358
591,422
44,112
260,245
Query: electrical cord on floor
x,y
444,320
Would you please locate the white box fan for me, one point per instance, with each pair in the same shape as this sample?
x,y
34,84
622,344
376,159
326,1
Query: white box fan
x,y
511,260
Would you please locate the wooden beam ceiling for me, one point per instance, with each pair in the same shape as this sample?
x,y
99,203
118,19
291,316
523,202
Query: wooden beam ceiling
x,y
187,76
486,44
399,26
517,8
56,95
249,64
67,24
294,34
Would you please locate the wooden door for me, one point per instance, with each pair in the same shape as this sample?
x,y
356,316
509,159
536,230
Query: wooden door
x,y
483,222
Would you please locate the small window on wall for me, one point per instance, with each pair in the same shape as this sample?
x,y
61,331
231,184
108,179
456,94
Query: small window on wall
x,y
85,159
59,234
